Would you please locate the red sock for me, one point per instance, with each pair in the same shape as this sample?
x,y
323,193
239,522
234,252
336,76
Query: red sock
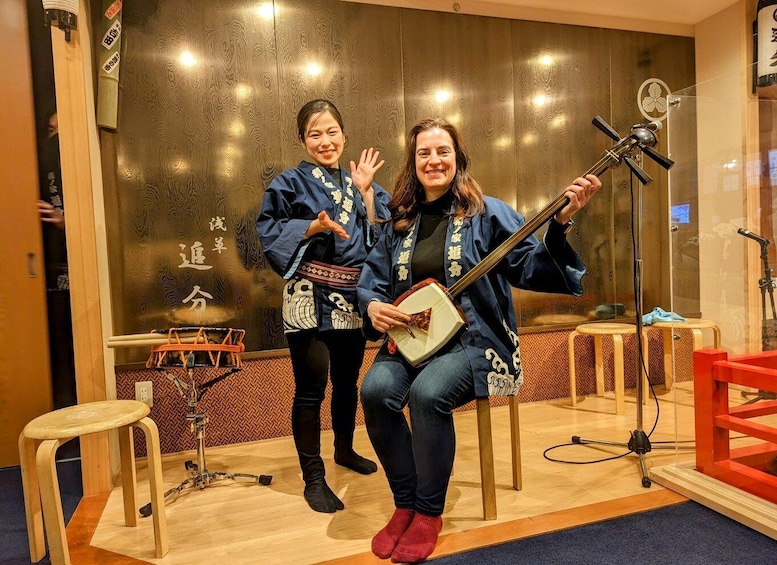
x,y
385,541
417,543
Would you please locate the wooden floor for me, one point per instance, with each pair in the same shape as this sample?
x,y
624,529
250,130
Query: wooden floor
x,y
233,523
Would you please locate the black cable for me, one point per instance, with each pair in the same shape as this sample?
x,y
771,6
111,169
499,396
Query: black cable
x,y
546,456
642,362
638,307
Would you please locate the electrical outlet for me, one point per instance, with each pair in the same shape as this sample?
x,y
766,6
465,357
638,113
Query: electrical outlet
x,y
144,391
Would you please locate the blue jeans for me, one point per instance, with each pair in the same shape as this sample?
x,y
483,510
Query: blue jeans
x,y
418,463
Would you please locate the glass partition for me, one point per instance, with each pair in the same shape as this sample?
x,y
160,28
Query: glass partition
x,y
721,369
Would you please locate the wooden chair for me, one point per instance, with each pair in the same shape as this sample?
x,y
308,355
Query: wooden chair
x,y
486,452
38,444
695,325
486,449
598,330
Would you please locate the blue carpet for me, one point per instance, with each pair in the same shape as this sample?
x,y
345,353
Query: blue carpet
x,y
13,528
687,534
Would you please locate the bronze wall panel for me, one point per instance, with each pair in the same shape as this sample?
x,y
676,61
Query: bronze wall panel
x,y
469,58
357,49
637,57
198,138
199,143
562,81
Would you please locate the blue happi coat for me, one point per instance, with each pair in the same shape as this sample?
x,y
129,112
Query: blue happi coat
x,y
294,199
490,338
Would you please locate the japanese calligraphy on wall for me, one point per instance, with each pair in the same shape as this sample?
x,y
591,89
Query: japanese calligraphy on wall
x,y
194,257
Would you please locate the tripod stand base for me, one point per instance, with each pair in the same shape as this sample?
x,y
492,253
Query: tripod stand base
x,y
638,443
202,479
760,395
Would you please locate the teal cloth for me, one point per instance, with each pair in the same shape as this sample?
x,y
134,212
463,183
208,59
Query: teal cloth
x,y
660,315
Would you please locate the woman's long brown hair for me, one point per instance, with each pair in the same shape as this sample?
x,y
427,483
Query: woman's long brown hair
x,y
408,192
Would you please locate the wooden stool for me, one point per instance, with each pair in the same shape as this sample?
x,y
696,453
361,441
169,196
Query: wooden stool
x,y
486,449
38,444
696,325
556,319
598,330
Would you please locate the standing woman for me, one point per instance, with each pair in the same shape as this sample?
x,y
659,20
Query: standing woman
x,y
317,223
442,226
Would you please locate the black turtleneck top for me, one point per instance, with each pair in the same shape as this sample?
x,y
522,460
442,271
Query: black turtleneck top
x,y
429,255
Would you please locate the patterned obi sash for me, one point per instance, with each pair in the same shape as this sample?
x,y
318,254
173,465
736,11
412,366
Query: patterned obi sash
x,y
329,275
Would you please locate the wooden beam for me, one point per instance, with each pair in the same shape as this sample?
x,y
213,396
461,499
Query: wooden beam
x,y
74,97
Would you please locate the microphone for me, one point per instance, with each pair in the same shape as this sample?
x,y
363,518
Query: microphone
x,y
652,126
754,236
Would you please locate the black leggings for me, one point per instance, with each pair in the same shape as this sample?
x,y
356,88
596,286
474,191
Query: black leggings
x,y
315,357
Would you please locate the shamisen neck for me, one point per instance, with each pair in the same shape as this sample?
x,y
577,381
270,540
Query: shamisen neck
x,y
491,260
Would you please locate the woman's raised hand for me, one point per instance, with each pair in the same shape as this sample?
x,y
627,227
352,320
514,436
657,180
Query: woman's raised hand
x,y
364,173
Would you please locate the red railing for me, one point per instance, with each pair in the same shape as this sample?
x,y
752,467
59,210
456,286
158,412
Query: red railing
x,y
743,467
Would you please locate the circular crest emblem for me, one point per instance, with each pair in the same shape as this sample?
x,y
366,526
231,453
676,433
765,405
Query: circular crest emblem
x,y
652,99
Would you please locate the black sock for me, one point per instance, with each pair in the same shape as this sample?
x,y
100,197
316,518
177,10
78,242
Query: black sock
x,y
355,462
321,498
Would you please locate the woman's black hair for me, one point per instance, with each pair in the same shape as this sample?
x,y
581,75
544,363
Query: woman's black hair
x,y
315,108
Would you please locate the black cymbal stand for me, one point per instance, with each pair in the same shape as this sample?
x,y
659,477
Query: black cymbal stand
x,y
200,477
768,328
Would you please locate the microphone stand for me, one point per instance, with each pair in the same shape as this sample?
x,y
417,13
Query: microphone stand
x,y
766,284
639,441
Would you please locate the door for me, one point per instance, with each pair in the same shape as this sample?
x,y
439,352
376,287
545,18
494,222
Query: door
x,y
25,373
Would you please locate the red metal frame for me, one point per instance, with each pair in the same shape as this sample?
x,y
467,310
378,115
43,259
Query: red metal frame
x,y
716,419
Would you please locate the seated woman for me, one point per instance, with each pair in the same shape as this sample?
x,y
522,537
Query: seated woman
x,y
442,226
